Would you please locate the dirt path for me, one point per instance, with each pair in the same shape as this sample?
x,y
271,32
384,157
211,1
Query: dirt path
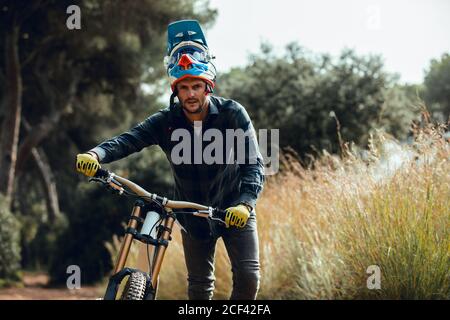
x,y
35,288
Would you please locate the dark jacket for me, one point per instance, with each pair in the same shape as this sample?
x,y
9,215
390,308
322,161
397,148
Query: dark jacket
x,y
223,184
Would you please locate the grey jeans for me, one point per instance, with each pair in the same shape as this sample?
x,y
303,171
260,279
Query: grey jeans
x,y
243,251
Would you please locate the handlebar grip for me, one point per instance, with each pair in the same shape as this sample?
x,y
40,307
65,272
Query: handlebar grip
x,y
101,173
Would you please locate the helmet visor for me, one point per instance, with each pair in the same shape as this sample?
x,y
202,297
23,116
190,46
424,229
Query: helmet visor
x,y
195,53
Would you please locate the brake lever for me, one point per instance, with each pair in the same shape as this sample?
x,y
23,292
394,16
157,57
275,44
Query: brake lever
x,y
115,186
209,213
218,220
111,184
220,215
100,180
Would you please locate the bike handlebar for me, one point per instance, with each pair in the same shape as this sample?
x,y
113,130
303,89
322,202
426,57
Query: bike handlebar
x,y
117,182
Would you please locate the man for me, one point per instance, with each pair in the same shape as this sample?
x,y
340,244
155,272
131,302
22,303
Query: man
x,y
234,185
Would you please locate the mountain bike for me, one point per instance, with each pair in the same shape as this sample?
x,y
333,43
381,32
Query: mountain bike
x,y
155,230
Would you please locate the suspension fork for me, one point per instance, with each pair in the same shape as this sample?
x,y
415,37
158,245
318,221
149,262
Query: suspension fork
x,y
126,244
161,249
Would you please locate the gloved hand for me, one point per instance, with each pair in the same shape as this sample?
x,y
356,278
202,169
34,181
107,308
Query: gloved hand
x,y
87,164
237,216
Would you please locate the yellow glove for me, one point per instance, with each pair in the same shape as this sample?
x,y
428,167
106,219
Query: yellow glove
x,y
87,164
237,216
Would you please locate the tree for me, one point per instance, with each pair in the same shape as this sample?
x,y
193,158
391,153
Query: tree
x,y
77,87
10,24
9,244
304,95
437,87
62,65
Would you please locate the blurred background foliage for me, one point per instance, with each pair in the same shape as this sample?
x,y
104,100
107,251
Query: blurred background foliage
x,y
305,95
79,87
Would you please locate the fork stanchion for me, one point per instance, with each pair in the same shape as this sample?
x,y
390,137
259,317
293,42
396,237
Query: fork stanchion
x,y
126,244
165,236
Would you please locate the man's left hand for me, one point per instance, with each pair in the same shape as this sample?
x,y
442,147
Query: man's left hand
x,y
237,216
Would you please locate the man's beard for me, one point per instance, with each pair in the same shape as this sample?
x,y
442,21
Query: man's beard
x,y
198,110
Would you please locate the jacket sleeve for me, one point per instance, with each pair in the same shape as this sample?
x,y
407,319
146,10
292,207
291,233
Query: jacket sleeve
x,y
144,134
252,167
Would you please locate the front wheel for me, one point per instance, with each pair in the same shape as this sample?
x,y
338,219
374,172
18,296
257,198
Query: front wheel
x,y
135,287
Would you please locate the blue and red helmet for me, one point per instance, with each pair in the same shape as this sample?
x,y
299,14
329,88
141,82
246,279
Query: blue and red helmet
x,y
188,55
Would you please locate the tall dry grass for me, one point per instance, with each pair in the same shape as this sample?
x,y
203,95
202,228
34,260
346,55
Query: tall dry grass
x,y
321,227
330,223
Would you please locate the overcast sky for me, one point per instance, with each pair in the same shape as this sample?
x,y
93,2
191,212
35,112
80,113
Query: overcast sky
x,y
407,33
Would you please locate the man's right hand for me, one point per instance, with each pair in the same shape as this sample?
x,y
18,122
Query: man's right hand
x,y
87,164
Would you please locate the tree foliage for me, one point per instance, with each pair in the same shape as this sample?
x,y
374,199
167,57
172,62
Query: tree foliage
x,y
437,87
9,244
306,96
80,87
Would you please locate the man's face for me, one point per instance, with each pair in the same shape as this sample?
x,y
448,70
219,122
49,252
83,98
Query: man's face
x,y
191,93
